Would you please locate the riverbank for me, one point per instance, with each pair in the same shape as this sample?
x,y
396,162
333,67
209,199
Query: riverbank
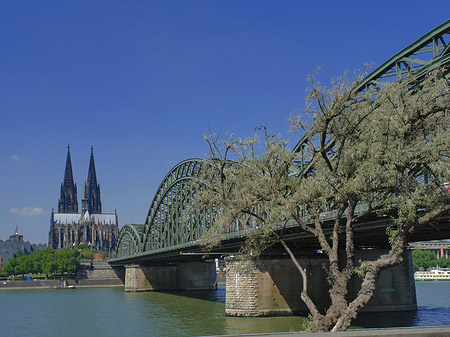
x,y
92,274
59,283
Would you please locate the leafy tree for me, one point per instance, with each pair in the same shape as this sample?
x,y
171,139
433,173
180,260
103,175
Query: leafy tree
x,y
423,259
87,254
105,255
68,261
10,267
46,261
382,152
442,262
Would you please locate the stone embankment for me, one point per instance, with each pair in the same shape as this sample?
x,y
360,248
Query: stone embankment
x,y
441,331
95,274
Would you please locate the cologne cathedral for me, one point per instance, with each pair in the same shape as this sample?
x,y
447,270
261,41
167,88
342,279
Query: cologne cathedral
x,y
69,227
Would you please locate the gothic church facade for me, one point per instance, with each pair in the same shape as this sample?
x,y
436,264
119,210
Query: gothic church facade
x,y
69,227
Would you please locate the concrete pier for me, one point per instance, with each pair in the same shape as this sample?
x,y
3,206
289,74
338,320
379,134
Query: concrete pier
x,y
180,276
273,287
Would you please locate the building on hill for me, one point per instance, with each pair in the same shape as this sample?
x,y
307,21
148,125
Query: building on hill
x,y
16,236
68,227
15,245
439,247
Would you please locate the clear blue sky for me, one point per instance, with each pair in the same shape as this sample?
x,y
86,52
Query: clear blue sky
x,y
143,81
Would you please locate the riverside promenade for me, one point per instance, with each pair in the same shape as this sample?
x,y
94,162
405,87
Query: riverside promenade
x,y
93,274
58,283
442,331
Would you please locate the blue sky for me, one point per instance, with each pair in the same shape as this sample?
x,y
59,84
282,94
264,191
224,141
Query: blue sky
x,y
143,81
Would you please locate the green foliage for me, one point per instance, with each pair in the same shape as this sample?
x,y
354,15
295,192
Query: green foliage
x,y
361,268
425,259
45,261
105,255
87,254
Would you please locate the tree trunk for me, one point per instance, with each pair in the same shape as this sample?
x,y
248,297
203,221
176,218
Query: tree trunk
x,y
368,286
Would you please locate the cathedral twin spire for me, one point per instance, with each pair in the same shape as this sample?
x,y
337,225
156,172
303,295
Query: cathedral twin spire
x,y
68,202
90,200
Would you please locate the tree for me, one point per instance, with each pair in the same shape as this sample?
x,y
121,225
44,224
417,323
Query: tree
x,y
423,259
388,152
47,261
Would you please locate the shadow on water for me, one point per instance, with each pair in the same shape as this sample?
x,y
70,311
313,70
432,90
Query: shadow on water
x,y
203,313
424,316
428,316
208,295
385,319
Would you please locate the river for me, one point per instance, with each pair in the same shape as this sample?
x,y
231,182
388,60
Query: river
x,y
112,312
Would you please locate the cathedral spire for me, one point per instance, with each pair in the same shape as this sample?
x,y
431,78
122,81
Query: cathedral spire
x,y
93,189
68,202
68,174
84,199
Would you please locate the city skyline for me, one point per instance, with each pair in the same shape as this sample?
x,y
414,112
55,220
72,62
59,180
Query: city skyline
x,y
143,82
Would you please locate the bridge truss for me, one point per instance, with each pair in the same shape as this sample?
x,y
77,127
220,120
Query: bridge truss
x,y
170,221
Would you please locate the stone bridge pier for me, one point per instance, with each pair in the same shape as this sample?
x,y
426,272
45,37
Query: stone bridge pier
x,y
177,276
272,287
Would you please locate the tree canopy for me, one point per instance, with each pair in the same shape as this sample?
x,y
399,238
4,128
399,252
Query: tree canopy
x,y
425,259
45,261
386,151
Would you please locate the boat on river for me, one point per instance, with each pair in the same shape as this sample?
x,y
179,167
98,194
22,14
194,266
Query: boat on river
x,y
432,275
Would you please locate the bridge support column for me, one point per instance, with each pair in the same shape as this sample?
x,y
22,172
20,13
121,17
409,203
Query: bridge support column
x,y
180,276
273,287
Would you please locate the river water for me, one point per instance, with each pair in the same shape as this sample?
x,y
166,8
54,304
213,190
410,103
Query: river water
x,y
112,312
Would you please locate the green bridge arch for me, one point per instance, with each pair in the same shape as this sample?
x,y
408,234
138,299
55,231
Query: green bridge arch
x,y
169,222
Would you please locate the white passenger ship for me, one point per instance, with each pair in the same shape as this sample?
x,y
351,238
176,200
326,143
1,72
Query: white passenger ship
x,y
432,275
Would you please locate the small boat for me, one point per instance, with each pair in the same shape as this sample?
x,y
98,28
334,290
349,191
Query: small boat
x,y
68,287
432,275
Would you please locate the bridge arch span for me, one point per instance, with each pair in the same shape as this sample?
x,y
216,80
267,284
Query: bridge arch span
x,y
168,222
430,52
130,240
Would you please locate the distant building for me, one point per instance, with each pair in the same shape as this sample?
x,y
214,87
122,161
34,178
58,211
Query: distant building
x,y
16,236
439,247
68,227
15,244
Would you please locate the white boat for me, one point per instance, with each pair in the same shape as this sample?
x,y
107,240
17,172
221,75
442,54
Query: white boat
x,y
432,275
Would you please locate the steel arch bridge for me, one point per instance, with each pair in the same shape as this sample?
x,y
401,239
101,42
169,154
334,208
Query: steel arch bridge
x,y
169,228
170,225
